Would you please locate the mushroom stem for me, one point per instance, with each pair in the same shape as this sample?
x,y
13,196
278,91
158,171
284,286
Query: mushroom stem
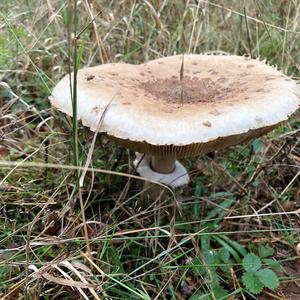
x,y
162,169
152,192
163,164
166,170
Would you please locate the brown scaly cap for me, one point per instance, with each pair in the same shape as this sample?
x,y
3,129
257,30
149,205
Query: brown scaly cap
x,y
220,101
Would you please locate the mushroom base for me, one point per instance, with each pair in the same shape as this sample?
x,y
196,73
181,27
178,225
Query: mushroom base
x,y
165,170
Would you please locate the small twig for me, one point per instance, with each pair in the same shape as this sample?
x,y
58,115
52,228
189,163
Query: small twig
x,y
290,184
92,21
181,79
73,89
98,40
296,212
235,280
248,32
90,153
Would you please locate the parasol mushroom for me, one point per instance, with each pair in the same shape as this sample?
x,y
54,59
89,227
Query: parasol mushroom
x,y
167,110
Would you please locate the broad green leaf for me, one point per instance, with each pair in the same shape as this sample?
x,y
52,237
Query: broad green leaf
x,y
275,265
198,192
268,278
205,243
209,257
251,262
221,209
214,277
252,283
219,292
257,145
230,249
238,247
197,267
265,251
224,255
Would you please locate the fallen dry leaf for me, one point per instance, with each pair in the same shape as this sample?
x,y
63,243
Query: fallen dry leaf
x,y
3,152
72,283
297,249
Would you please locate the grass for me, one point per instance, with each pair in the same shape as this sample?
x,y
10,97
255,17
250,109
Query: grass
x,y
239,199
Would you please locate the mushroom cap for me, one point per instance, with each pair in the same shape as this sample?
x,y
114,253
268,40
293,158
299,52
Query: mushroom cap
x,y
220,101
